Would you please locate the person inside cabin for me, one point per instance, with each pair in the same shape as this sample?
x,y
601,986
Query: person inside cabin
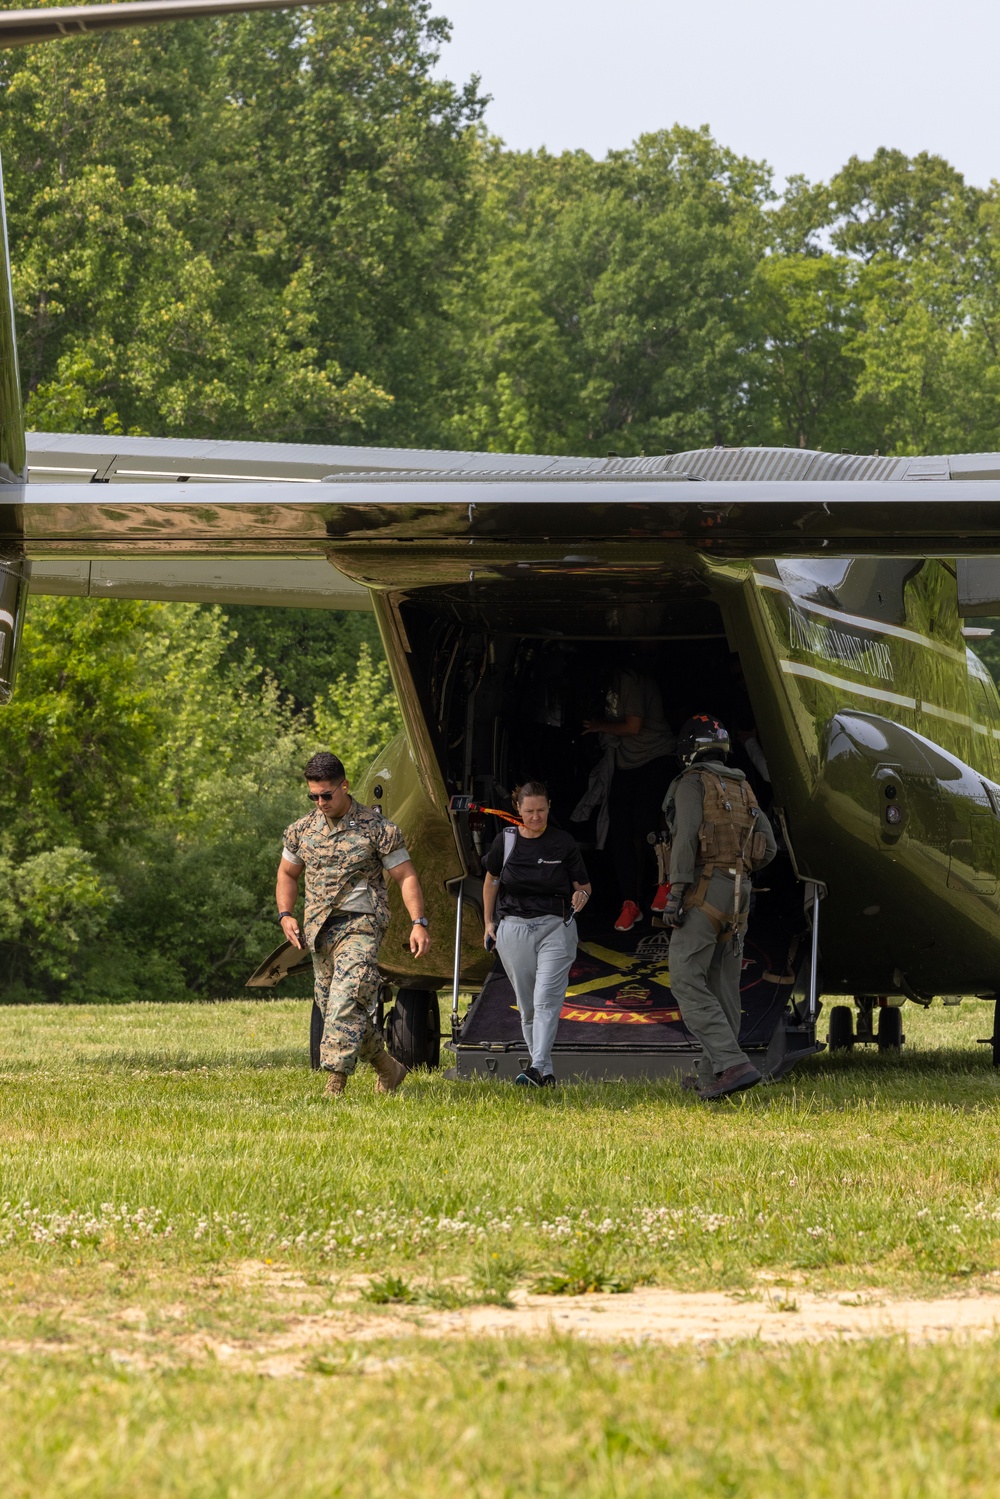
x,y
639,743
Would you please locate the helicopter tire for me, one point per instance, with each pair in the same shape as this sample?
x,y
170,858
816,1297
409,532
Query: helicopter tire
x,y
890,1029
841,1034
413,1028
315,1036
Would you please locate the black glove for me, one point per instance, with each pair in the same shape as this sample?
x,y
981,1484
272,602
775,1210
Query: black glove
x,y
673,912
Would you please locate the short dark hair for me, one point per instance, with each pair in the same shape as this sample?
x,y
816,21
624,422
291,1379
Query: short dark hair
x,y
530,788
324,767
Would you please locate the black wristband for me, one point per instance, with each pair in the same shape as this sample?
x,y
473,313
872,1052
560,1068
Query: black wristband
x,y
283,914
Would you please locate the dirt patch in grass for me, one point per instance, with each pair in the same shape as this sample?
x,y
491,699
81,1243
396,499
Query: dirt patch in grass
x,y
266,1320
646,1316
654,1315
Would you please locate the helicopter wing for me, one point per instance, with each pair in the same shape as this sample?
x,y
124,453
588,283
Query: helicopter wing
x,y
260,522
21,28
71,459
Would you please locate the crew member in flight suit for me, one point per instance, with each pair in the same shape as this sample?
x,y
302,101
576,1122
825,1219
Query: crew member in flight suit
x,y
719,837
346,850
636,730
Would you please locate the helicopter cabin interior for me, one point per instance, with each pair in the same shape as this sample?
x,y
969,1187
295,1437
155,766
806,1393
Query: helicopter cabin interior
x,y
507,676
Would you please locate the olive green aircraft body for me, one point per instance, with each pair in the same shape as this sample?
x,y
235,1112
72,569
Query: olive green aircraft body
x,y
834,593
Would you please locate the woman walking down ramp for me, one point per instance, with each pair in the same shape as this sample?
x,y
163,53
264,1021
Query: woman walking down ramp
x,y
536,882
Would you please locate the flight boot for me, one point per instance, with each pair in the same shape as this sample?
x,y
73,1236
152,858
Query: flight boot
x,y
389,1072
336,1082
733,1080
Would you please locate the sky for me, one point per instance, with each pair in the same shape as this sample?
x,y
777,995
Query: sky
x,y
802,84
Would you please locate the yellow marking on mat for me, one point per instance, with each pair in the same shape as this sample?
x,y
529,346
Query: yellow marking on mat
x,y
608,954
629,968
602,983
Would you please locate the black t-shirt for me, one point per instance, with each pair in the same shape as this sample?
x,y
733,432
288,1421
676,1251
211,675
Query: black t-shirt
x,y
537,879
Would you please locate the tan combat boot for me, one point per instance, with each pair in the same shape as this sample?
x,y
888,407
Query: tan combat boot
x,y
336,1082
390,1073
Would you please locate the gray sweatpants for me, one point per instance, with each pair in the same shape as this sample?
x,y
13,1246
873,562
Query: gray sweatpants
x,y
537,953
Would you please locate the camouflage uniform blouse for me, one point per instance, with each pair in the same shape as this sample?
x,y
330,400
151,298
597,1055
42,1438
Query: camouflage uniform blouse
x,y
338,856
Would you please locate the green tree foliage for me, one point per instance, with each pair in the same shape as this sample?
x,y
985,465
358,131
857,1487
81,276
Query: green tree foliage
x,y
149,778
662,299
246,226
290,226
612,306
803,393
880,311
305,650
358,713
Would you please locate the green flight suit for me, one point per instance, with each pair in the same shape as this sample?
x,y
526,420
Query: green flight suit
x,y
704,972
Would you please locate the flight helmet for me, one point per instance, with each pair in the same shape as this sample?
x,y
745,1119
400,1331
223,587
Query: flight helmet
x,y
702,735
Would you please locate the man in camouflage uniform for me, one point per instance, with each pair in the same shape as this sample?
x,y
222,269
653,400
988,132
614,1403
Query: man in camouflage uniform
x,y
345,850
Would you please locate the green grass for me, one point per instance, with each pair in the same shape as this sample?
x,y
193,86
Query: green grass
x,y
191,1134
494,1419
176,1194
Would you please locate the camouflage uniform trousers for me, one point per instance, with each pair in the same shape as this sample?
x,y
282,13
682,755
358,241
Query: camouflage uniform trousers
x,y
345,969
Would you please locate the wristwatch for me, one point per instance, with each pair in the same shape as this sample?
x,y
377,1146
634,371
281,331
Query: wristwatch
x,y
283,914
420,921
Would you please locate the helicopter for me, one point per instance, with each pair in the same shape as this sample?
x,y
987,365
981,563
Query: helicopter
x,y
822,604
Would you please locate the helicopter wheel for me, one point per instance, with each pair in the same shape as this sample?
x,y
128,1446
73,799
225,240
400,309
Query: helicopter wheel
x,y
315,1036
890,1029
841,1034
413,1028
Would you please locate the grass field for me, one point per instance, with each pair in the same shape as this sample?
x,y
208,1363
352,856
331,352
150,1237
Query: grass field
x,y
175,1192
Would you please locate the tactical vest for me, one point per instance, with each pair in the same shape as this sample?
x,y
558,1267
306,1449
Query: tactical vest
x,y
728,840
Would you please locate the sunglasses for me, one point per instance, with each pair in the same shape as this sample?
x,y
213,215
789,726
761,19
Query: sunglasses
x,y
322,796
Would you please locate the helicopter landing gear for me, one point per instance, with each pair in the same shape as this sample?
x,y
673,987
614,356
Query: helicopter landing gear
x,y
866,1016
316,1023
887,1035
841,1036
413,1028
890,1029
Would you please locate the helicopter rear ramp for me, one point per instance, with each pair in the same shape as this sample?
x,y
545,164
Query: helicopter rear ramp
x,y
620,1019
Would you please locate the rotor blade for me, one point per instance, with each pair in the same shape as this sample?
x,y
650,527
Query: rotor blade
x,y
18,28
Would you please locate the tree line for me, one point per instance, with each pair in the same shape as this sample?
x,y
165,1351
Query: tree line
x,y
151,764
292,227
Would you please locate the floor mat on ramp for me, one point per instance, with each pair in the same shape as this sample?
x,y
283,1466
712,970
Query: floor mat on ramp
x,y
619,995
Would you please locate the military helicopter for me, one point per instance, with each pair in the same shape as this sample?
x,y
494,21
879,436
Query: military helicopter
x,y
817,602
